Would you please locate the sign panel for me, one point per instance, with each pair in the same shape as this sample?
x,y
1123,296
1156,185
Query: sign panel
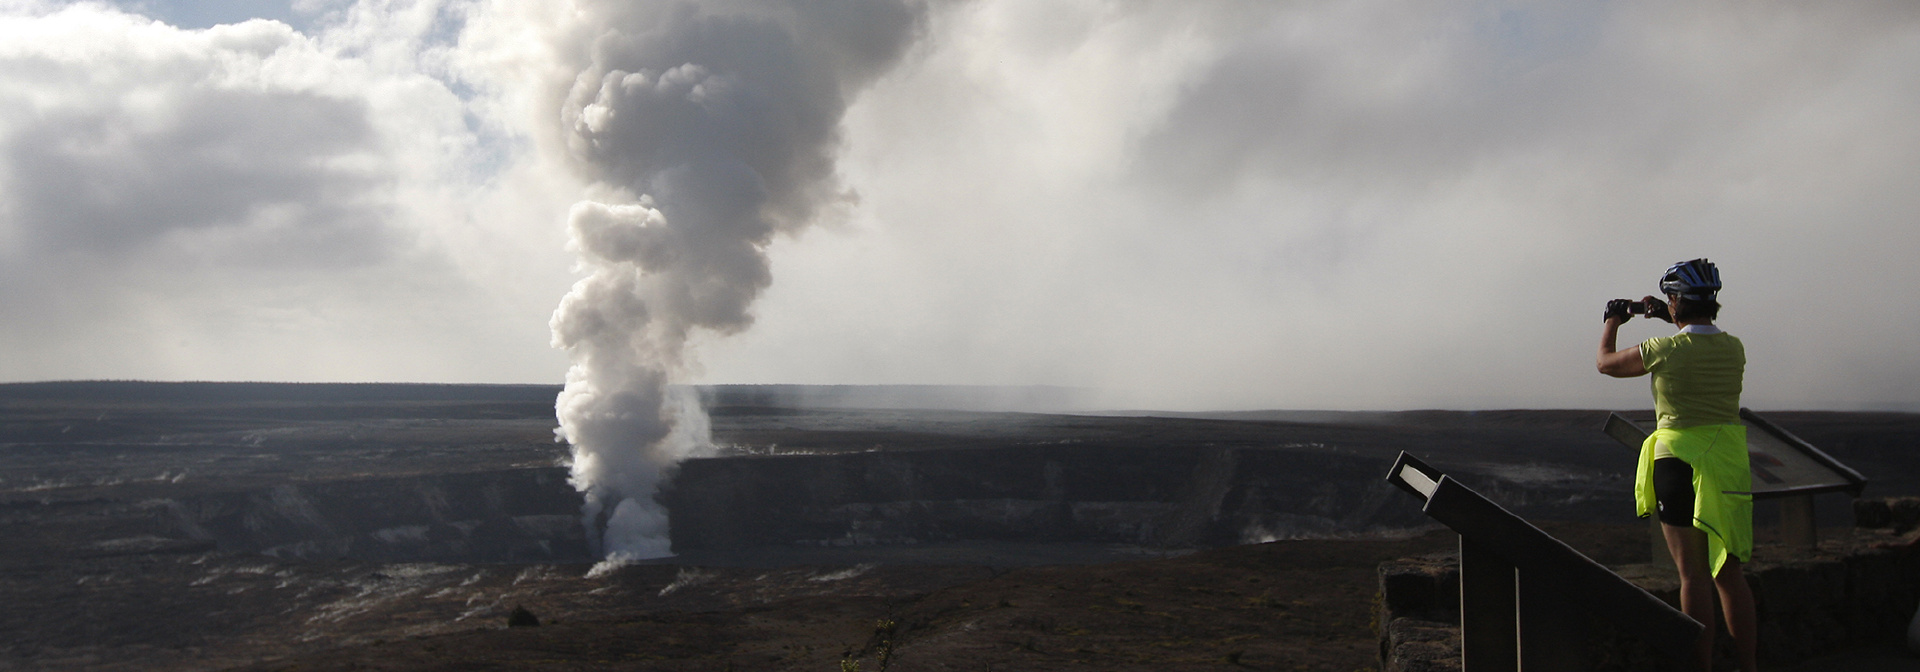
x,y
1518,582
1783,464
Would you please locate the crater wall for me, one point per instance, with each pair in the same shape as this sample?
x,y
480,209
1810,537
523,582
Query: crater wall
x,y
1158,497
1191,497
515,515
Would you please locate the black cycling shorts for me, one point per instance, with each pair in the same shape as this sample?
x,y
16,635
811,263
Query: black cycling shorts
x,y
1673,491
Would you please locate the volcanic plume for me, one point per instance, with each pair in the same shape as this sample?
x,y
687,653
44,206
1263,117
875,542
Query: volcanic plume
x,y
713,126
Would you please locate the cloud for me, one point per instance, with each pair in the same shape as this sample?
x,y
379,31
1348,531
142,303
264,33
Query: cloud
x,y
200,203
119,134
1214,204
1364,204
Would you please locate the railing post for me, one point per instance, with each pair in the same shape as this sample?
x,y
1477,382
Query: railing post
x,y
1553,629
1661,556
1489,611
1797,526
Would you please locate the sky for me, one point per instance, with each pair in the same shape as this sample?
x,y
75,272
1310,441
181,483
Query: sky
x,y
1201,205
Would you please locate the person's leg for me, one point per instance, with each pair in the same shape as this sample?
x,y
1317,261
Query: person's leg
x,y
1673,491
1689,549
1736,599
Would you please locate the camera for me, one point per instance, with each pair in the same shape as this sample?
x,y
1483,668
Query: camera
x,y
1625,309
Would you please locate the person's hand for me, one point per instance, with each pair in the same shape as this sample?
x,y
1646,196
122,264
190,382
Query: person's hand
x,y
1618,312
1657,309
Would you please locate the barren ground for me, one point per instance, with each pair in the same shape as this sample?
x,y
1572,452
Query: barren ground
x,y
92,580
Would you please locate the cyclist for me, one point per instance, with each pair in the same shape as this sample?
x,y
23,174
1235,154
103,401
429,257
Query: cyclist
x,y
1693,469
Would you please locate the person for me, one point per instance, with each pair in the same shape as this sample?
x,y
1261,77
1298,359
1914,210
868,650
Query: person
x,y
1693,469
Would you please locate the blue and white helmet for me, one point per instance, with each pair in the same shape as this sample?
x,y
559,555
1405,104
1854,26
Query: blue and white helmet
x,y
1696,279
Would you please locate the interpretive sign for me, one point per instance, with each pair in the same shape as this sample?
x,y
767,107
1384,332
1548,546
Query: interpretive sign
x,y
1785,467
1525,596
1783,464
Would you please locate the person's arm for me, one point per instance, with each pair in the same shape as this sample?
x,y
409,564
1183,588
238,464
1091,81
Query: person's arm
x,y
1618,363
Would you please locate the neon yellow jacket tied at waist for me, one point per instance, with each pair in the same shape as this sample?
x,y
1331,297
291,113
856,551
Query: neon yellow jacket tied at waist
x,y
1722,486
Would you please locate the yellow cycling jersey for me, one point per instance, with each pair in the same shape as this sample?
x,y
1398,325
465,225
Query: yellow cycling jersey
x,y
1696,378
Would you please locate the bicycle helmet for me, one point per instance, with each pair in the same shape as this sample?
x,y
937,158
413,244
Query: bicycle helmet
x,y
1696,279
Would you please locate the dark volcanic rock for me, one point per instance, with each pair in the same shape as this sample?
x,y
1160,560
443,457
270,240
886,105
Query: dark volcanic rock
x,y
1415,645
1156,496
515,515
521,618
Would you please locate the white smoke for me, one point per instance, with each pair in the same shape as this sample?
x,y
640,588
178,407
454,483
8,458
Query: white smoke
x,y
712,126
